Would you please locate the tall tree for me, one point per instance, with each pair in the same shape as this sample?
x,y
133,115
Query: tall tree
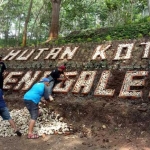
x,y
24,39
148,1
54,25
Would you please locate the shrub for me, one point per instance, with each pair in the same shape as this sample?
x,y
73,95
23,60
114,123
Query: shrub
x,y
108,38
89,39
140,35
79,39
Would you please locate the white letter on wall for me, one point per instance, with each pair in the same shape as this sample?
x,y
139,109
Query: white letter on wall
x,y
146,51
64,88
101,88
54,53
84,81
127,47
99,53
41,51
21,57
10,80
27,80
129,81
68,53
11,55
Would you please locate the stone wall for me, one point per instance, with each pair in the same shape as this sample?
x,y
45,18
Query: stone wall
x,y
118,68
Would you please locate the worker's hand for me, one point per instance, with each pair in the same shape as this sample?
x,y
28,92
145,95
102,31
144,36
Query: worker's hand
x,y
44,101
63,79
67,78
51,98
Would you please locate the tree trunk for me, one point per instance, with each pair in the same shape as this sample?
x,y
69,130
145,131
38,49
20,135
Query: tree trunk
x,y
24,39
54,27
148,2
6,38
36,20
18,33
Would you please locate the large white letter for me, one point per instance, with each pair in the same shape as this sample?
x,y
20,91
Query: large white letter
x,y
68,53
27,80
11,55
99,53
22,57
65,87
11,79
146,51
101,88
84,81
54,53
127,47
41,51
129,82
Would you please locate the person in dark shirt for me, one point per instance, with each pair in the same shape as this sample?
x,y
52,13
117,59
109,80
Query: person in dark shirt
x,y
56,77
2,69
31,99
4,112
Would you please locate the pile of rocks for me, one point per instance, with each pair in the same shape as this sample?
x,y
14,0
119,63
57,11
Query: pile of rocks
x,y
48,123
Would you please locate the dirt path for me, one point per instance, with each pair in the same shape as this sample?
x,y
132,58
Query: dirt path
x,y
77,142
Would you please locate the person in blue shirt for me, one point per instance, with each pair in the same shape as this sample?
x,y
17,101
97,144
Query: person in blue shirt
x,y
31,99
4,112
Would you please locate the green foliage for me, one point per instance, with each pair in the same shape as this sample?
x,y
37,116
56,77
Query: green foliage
x,y
80,21
79,40
112,4
98,39
89,39
108,38
131,31
148,19
140,35
56,42
145,19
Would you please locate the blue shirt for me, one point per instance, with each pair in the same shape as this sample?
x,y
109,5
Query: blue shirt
x,y
37,91
2,102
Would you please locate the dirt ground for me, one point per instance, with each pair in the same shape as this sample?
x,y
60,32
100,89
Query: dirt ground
x,y
98,124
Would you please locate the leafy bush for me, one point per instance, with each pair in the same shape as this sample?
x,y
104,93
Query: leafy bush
x,y
89,39
108,38
132,31
98,39
140,35
79,39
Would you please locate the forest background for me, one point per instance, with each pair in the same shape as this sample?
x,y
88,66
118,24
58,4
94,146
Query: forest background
x,y
34,22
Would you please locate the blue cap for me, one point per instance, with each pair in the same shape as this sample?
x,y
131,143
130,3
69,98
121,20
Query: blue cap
x,y
45,80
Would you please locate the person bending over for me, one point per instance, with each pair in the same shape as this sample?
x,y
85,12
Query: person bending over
x,y
55,77
31,99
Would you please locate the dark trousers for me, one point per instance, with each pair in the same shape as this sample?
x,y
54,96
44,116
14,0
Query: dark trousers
x,y
1,82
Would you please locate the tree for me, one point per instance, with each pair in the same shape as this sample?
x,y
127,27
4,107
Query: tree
x,y
148,1
24,39
54,25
